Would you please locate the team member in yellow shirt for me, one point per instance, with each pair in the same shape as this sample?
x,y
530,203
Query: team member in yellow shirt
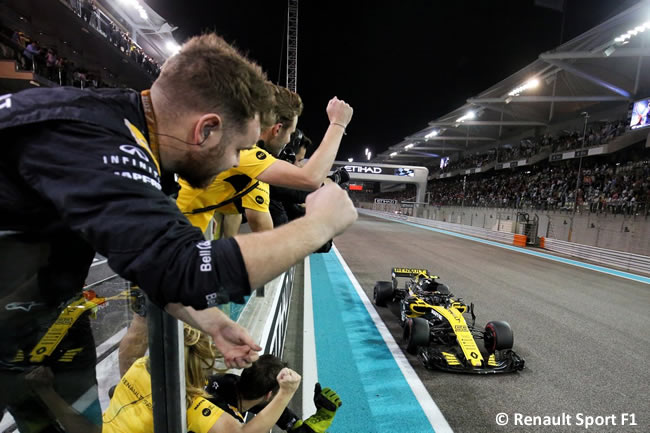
x,y
255,165
243,187
130,409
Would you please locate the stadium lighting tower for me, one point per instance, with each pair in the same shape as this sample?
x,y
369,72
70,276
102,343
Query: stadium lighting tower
x,y
292,45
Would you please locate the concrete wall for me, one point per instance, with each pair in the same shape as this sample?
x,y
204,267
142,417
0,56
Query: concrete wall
x,y
629,233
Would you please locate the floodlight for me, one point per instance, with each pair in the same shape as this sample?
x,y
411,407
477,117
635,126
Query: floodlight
x,y
393,154
431,134
531,84
369,155
350,159
408,146
633,32
469,115
172,47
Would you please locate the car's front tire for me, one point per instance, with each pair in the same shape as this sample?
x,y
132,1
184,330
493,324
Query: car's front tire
x,y
498,336
382,292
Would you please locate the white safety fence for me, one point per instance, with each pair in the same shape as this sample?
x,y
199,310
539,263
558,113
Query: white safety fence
x,y
458,228
628,261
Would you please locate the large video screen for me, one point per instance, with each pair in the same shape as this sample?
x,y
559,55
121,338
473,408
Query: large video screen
x,y
640,118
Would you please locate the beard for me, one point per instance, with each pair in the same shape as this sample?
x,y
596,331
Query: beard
x,y
200,170
274,148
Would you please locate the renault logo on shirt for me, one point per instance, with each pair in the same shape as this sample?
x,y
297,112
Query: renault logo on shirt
x,y
133,151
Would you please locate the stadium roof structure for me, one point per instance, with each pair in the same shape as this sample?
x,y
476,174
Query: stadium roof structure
x,y
148,29
601,69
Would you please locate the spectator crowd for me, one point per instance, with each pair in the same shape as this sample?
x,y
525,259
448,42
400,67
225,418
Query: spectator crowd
x,y
597,133
604,187
87,10
48,63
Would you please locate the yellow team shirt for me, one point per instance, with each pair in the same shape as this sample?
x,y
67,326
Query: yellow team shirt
x,y
131,409
228,184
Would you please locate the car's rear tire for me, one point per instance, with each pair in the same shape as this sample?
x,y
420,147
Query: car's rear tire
x,y
498,336
416,334
382,292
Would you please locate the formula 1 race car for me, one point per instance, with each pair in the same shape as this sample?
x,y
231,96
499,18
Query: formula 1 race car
x,y
436,331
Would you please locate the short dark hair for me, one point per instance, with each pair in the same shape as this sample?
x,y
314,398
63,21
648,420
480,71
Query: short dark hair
x,y
306,143
261,377
208,73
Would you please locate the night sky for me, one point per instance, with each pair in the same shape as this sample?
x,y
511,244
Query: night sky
x,y
400,64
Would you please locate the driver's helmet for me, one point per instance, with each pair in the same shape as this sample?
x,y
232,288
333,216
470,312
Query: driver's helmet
x,y
428,285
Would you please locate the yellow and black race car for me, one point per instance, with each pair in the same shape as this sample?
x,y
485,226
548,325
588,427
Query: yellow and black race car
x,y
436,331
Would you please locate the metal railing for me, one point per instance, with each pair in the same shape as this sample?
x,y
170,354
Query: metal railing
x,y
628,261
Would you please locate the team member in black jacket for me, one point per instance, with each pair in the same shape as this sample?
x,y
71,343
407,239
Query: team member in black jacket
x,y
81,172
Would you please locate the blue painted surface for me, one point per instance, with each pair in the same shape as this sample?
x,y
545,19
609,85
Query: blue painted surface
x,y
353,358
602,269
234,310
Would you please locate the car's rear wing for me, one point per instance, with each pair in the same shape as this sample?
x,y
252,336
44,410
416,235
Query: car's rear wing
x,y
408,272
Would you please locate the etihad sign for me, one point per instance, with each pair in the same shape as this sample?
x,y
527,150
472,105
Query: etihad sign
x,y
363,169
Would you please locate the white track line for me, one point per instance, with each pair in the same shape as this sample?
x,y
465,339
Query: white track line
x,y
309,365
431,410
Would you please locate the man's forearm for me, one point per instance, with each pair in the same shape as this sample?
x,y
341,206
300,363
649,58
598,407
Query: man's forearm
x,y
267,417
205,320
71,420
321,161
268,254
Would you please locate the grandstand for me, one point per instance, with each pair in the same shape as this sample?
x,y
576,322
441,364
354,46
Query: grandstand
x,y
102,44
553,137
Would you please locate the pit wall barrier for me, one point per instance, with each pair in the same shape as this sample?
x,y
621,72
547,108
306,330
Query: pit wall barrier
x,y
621,232
624,260
266,317
508,238
628,261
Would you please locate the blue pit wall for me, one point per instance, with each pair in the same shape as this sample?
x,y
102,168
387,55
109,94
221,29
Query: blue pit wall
x,y
357,356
